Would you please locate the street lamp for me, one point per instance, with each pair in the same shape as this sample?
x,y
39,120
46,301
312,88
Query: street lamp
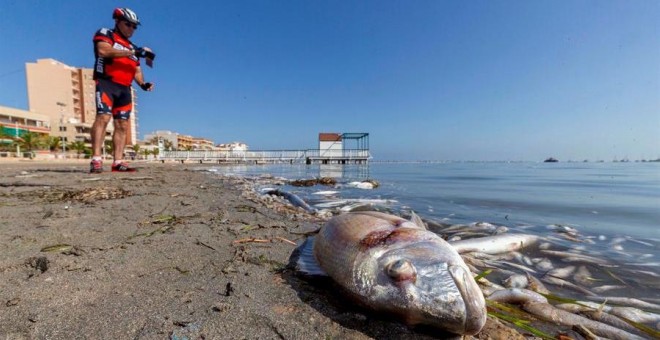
x,y
18,146
62,105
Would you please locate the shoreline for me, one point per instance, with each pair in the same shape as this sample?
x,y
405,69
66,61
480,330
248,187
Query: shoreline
x,y
167,252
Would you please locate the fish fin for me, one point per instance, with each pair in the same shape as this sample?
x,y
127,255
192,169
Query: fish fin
x,y
414,218
307,263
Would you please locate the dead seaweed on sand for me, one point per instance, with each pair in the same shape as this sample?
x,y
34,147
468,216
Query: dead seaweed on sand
x,y
328,181
62,248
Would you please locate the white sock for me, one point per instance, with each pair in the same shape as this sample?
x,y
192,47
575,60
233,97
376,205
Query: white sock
x,y
97,158
118,161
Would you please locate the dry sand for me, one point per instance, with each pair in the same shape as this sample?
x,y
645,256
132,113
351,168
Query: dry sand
x,y
168,252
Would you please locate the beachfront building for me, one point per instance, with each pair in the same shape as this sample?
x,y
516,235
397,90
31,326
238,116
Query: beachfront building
x,y
185,142
173,141
330,145
233,146
66,95
170,139
200,143
14,123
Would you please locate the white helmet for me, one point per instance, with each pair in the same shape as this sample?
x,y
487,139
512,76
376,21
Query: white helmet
x,y
126,14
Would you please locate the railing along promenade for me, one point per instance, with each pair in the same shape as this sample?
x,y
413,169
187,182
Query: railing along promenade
x,y
269,156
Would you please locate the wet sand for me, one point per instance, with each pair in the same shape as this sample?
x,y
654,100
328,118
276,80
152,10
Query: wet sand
x,y
169,252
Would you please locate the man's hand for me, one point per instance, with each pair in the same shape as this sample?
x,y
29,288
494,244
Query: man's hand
x,y
145,52
147,86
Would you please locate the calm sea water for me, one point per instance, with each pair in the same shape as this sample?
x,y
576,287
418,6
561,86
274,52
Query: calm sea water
x,y
610,203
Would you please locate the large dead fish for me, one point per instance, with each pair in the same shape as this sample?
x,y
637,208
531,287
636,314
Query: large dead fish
x,y
396,266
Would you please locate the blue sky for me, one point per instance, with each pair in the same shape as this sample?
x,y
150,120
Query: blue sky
x,y
442,80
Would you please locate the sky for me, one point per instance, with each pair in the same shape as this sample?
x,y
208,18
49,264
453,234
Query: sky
x,y
512,80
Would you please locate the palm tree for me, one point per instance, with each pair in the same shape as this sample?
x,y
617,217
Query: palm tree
x,y
4,134
168,145
30,141
7,139
146,153
79,146
54,143
136,148
155,152
108,147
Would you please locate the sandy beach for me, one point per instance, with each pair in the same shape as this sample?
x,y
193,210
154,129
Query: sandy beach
x,y
169,252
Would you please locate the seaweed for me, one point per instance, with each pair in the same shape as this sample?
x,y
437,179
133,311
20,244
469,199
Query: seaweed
x,y
522,324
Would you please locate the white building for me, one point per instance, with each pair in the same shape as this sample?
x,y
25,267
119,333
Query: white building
x,y
233,146
164,135
330,145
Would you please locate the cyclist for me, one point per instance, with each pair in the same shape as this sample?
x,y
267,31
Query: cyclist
x,y
116,66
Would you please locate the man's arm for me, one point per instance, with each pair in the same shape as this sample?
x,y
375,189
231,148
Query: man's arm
x,y
139,79
105,50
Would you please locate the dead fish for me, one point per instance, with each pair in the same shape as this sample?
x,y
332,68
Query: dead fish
x,y
536,285
517,296
544,264
563,283
516,281
627,302
561,273
293,198
573,257
548,312
392,265
605,288
583,276
630,313
495,244
522,259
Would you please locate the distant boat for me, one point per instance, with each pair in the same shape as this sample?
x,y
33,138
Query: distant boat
x,y
550,160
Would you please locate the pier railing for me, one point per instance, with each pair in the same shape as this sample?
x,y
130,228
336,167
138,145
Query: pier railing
x,y
269,156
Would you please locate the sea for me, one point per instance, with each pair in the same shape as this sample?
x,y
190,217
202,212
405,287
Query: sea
x,y
607,210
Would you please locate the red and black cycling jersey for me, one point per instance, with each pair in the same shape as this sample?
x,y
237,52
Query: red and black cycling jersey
x,y
119,70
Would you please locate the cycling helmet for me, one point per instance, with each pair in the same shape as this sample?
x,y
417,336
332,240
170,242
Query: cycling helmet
x,y
126,14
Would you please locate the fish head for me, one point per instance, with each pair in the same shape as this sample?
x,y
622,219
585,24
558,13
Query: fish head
x,y
428,286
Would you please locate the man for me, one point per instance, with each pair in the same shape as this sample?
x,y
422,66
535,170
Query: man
x,y
116,66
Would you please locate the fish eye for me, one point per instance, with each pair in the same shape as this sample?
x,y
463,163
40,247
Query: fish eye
x,y
401,270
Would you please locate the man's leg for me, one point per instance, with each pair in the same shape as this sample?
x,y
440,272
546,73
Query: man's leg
x,y
119,138
98,133
121,114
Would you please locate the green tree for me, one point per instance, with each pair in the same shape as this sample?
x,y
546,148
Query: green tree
x,y
54,143
78,146
109,148
155,152
136,148
167,144
146,153
30,141
4,133
6,138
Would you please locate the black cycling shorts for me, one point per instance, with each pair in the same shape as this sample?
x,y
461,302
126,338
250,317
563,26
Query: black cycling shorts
x,y
112,98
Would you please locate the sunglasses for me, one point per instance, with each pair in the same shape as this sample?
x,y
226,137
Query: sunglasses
x,y
130,24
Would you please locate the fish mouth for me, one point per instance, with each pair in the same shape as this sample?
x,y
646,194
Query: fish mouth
x,y
475,305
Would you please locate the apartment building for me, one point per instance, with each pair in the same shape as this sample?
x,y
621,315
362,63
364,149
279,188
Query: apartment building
x,y
200,143
164,135
185,142
16,122
66,95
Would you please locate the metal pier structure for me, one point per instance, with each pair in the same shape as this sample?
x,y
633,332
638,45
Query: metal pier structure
x,y
332,150
267,156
